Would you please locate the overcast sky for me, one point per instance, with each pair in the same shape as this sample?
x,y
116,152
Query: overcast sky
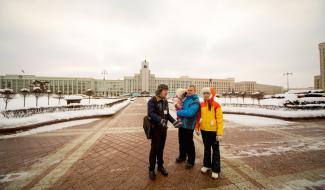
x,y
248,40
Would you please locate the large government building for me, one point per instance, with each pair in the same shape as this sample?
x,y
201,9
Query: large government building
x,y
319,80
139,83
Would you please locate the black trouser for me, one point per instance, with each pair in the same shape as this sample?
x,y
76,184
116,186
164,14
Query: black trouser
x,y
186,145
210,141
157,147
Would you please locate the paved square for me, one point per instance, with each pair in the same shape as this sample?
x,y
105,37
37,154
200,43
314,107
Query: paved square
x,y
112,153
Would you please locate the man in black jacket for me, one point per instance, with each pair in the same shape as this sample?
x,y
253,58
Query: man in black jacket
x,y
158,113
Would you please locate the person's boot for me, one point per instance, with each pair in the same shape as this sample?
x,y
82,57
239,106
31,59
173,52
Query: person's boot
x,y
152,174
163,171
179,160
188,165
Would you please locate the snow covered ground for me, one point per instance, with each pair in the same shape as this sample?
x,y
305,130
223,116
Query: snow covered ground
x,y
254,120
275,113
18,102
50,128
46,117
267,101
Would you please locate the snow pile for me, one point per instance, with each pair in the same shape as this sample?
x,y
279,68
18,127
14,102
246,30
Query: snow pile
x,y
47,117
48,128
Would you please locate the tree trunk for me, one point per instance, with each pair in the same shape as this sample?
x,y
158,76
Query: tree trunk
x,y
6,104
36,101
24,101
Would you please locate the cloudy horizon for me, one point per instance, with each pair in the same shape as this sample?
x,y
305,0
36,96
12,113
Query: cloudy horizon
x,y
248,40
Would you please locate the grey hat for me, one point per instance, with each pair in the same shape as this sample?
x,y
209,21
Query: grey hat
x,y
160,88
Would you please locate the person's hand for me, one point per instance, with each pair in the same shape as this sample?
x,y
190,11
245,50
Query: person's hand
x,y
178,106
177,124
197,132
219,138
163,123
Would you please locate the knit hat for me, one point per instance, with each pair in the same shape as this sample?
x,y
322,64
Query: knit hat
x,y
160,88
181,92
206,90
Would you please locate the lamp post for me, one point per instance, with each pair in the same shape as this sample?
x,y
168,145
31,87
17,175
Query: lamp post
x,y
104,73
287,74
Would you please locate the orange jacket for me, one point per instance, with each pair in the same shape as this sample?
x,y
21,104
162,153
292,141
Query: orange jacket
x,y
210,120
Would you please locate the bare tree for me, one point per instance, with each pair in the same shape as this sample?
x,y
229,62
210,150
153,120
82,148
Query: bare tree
x,y
6,94
37,91
89,93
243,94
231,94
24,92
60,95
39,88
225,94
258,96
237,96
48,96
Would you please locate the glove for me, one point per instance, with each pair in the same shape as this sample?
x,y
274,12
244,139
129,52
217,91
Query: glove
x,y
197,132
163,123
177,124
219,138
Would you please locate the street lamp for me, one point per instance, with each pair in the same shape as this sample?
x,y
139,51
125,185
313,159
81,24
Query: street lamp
x,y
287,74
104,73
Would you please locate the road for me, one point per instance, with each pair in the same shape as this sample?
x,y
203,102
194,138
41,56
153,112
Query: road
x,y
112,153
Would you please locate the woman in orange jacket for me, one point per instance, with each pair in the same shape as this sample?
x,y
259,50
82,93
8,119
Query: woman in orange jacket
x,y
210,125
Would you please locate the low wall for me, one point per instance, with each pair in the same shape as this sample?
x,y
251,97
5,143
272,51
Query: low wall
x,y
31,111
5,131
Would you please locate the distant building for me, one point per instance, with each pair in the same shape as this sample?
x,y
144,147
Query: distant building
x,y
319,80
322,64
251,86
143,82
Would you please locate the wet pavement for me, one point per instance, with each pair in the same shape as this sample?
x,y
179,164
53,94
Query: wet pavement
x,y
112,153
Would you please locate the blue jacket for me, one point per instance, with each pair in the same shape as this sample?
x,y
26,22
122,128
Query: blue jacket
x,y
189,111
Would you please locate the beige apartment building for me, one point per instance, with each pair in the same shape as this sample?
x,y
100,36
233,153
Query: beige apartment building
x,y
317,82
251,86
143,81
322,65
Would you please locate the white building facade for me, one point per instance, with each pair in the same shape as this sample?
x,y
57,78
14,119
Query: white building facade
x,y
142,82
